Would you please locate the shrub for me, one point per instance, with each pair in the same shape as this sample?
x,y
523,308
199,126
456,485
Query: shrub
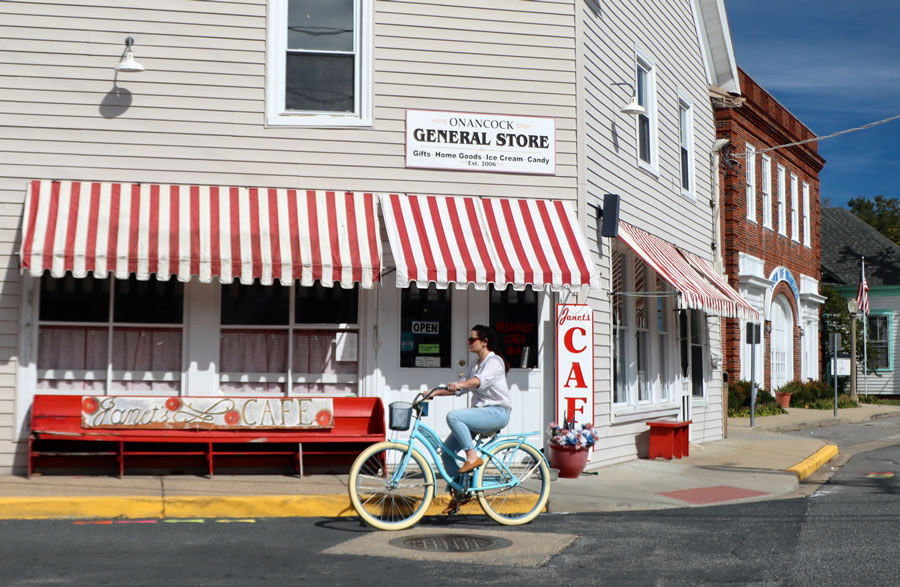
x,y
811,392
739,401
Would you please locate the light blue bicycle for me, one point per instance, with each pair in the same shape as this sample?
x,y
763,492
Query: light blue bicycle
x,y
392,483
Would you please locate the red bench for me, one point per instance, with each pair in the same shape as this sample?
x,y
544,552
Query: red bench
x,y
59,438
668,439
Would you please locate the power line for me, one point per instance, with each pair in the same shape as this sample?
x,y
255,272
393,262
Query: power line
x,y
814,139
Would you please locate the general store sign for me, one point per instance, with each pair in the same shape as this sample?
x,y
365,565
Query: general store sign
x,y
205,413
480,142
575,363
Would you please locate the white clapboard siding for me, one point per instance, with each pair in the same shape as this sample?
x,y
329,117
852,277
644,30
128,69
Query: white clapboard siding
x,y
651,202
197,113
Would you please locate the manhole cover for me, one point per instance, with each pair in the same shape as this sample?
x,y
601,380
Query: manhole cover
x,y
451,543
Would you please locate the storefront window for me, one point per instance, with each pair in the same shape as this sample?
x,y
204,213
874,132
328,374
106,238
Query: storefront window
x,y
642,329
256,304
425,323
514,317
316,305
620,329
81,349
277,340
692,324
662,334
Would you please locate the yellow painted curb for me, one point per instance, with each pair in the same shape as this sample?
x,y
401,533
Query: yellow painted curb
x,y
811,464
34,508
257,506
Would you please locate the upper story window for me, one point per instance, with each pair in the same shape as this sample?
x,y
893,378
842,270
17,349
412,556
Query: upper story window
x,y
646,95
767,191
318,63
806,236
686,142
782,214
751,183
795,210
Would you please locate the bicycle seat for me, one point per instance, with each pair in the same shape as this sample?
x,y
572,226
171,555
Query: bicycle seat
x,y
484,436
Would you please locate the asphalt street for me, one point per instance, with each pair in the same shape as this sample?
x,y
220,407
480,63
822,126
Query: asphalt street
x,y
842,532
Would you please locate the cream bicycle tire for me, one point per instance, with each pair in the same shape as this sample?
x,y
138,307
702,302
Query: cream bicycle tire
x,y
402,510
516,505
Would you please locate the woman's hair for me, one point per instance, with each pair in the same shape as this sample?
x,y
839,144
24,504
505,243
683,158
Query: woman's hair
x,y
489,337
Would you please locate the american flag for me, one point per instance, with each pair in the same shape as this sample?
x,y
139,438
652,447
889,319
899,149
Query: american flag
x,y
862,292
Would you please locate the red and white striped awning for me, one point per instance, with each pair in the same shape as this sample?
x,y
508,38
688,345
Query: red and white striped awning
x,y
201,232
700,288
481,241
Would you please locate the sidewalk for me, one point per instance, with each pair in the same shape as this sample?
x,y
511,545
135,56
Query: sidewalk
x,y
758,463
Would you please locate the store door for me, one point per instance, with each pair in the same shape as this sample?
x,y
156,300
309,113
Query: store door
x,y
782,343
421,343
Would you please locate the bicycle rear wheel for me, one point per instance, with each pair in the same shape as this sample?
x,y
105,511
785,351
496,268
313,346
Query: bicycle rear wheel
x,y
384,501
520,503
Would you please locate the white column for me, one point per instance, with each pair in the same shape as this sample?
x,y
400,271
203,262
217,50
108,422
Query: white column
x,y
201,338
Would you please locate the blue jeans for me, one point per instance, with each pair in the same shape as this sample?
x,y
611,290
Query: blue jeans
x,y
463,423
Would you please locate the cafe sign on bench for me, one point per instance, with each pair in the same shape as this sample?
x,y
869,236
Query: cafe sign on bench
x,y
205,413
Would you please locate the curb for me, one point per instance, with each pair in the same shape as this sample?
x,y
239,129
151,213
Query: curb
x,y
824,423
263,506
811,464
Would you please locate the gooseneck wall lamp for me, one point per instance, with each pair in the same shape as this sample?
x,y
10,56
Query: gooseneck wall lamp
x,y
127,63
633,108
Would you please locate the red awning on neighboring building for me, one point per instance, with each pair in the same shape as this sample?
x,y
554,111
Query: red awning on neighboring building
x,y
700,288
201,232
481,241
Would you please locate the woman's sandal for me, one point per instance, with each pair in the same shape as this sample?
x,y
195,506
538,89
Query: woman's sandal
x,y
467,466
456,503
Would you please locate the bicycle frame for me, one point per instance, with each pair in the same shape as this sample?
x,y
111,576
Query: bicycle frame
x,y
428,438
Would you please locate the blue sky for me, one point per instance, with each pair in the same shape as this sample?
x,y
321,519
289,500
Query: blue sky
x,y
835,64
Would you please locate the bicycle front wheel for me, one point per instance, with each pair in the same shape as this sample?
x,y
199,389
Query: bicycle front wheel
x,y
384,498
507,503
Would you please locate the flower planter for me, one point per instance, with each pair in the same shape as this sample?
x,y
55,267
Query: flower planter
x,y
783,399
570,460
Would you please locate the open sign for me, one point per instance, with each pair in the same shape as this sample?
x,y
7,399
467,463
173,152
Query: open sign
x,y
425,327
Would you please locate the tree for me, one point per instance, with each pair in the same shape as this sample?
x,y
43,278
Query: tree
x,y
883,214
836,318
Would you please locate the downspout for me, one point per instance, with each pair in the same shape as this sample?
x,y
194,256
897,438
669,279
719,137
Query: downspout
x,y
714,203
718,266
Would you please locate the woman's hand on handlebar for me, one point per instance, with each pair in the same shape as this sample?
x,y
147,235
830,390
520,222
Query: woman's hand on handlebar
x,y
440,390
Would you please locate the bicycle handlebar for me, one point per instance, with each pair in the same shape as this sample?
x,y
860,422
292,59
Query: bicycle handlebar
x,y
425,396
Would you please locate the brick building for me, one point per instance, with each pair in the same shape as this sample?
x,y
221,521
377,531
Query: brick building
x,y
771,233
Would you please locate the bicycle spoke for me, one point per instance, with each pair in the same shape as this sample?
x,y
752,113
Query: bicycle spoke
x,y
385,497
515,484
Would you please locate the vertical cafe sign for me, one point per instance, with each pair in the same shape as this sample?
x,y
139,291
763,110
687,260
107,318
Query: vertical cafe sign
x,y
575,363
480,142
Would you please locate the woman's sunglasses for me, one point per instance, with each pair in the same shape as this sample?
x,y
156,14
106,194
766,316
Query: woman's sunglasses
x,y
472,339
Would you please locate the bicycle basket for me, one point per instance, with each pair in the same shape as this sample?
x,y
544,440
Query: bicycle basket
x,y
399,415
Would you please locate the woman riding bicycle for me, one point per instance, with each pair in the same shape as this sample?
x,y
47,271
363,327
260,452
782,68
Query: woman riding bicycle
x,y
486,380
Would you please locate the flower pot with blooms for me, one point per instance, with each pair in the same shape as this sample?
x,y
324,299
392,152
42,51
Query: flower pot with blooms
x,y
569,446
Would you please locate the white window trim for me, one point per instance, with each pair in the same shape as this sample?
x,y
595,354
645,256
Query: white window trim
x,y
782,204
643,59
750,175
806,229
685,103
276,42
795,209
767,191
